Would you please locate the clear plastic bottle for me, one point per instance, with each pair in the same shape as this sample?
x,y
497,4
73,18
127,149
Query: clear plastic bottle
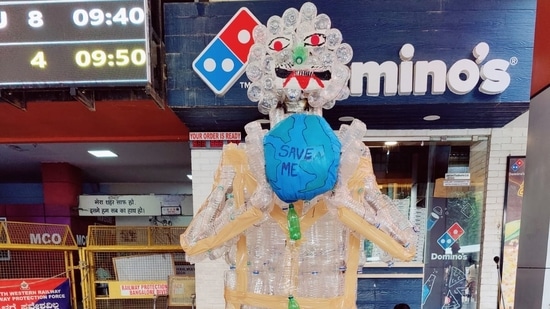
x,y
255,151
255,241
352,134
329,238
262,197
275,240
341,280
284,283
226,214
303,284
315,284
256,282
231,277
351,138
230,280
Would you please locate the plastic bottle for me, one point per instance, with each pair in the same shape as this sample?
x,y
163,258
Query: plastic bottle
x,y
341,280
255,241
284,282
332,235
255,151
315,288
293,223
275,247
256,282
230,282
227,213
231,278
302,285
262,197
352,134
292,303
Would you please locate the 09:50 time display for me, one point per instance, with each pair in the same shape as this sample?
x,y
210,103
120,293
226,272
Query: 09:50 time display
x,y
120,58
99,58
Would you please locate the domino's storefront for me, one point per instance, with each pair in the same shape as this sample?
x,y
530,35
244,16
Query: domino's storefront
x,y
467,65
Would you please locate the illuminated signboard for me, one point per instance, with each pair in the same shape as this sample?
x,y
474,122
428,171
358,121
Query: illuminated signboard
x,y
62,43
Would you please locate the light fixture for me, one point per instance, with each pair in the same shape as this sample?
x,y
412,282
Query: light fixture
x,y
102,153
190,176
411,138
391,143
432,117
346,119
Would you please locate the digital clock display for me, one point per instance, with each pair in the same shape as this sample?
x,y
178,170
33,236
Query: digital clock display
x,y
70,43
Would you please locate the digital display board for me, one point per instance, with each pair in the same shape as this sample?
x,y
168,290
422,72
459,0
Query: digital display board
x,y
70,43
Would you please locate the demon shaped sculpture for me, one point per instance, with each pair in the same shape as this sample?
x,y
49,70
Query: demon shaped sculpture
x,y
290,207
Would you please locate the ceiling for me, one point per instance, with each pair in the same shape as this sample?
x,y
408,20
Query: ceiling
x,y
137,162
152,140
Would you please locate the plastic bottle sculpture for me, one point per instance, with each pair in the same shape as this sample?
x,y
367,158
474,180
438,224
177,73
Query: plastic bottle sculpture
x,y
290,207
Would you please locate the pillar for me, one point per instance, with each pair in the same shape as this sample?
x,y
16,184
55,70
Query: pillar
x,y
62,185
533,270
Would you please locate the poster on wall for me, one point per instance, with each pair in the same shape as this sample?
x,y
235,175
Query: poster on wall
x,y
35,293
135,205
452,246
515,177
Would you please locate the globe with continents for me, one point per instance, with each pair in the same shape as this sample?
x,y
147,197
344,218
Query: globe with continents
x,y
302,155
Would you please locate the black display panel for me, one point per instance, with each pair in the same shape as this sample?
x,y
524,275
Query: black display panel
x,y
74,43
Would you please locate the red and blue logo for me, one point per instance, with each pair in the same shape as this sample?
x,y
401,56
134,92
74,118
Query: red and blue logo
x,y
516,165
224,60
450,236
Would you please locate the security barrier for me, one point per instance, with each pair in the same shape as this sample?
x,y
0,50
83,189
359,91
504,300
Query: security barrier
x,y
131,267
37,266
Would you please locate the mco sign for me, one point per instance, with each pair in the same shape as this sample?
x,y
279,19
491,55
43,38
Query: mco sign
x,y
46,239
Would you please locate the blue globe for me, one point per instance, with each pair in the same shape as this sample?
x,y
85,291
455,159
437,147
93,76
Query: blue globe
x,y
302,155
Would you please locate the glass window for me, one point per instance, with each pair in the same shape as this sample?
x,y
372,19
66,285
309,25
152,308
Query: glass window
x,y
440,187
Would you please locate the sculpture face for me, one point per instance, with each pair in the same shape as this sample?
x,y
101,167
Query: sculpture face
x,y
298,60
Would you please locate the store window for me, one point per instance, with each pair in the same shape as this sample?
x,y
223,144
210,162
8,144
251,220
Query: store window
x,y
440,186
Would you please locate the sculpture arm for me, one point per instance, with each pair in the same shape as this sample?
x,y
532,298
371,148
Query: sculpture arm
x,y
225,213
360,203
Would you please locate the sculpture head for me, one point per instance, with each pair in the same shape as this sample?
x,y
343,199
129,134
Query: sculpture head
x,y
298,63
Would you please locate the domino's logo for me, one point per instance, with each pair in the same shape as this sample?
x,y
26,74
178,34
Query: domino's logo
x,y
224,60
516,166
450,236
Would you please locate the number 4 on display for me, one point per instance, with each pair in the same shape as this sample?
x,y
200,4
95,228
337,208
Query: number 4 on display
x,y
39,60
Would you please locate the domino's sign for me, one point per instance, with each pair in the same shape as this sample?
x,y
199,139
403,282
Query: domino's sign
x,y
224,60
